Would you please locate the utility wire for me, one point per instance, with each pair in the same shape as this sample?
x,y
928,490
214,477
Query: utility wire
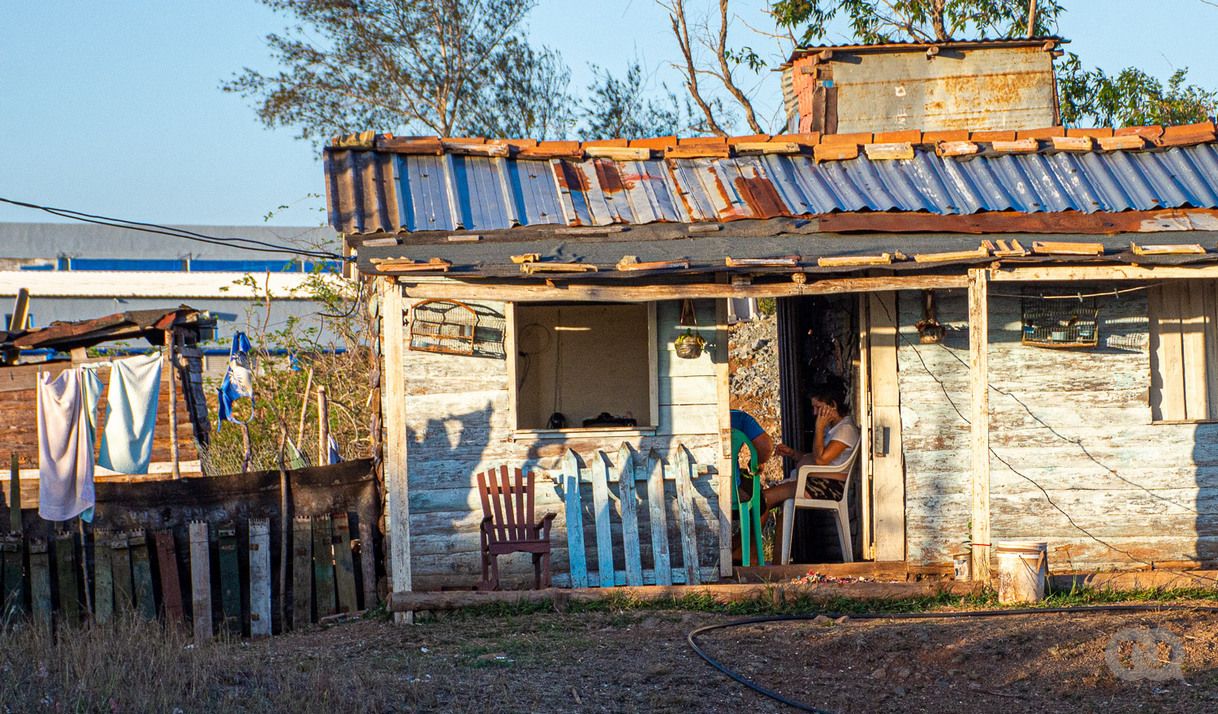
x,y
250,244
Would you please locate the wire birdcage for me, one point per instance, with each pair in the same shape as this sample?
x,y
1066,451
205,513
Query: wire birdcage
x,y
1060,323
457,328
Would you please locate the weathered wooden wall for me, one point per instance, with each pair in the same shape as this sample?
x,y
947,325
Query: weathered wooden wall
x,y
1076,423
459,423
18,413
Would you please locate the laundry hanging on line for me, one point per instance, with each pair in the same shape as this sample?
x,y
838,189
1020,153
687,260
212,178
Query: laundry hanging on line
x,y
135,390
65,446
238,380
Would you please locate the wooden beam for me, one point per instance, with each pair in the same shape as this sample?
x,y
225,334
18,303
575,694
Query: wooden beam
x,y
393,404
979,418
455,289
1017,222
888,467
1073,273
723,397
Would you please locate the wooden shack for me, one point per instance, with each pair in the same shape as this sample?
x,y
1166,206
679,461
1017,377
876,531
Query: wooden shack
x,y
182,422
1027,320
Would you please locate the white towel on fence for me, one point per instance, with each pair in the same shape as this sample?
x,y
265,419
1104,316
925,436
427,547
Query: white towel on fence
x,y
65,448
135,388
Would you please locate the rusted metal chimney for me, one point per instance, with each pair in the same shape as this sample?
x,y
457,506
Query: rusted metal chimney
x,y
979,85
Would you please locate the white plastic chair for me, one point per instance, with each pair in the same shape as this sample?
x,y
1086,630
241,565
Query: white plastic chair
x,y
842,507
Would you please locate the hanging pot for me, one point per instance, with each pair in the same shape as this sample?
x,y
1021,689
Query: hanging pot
x,y
689,345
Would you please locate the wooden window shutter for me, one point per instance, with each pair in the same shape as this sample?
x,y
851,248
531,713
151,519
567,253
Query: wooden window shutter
x,y
1184,351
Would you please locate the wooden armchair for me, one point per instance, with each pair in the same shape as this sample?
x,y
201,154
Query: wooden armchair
x,y
508,526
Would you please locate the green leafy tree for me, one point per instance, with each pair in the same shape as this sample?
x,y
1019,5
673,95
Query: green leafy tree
x,y
624,107
442,67
882,21
1130,98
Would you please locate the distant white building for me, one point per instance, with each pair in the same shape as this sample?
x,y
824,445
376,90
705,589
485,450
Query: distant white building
x,y
77,271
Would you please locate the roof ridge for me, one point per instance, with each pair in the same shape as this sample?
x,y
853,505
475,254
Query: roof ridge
x,y
820,146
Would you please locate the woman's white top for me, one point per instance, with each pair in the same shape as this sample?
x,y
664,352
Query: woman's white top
x,y
846,432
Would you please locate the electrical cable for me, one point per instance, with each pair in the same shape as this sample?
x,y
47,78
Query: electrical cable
x,y
250,244
692,637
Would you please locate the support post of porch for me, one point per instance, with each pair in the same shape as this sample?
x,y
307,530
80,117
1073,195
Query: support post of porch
x,y
979,419
393,404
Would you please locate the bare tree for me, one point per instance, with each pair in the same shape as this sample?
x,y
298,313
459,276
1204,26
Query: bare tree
x,y
435,66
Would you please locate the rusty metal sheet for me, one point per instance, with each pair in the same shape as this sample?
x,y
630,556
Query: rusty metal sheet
x,y
994,88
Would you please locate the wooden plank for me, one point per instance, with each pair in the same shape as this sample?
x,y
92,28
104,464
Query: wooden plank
x,y
1209,291
323,565
120,566
393,406
628,500
167,568
367,563
12,552
979,418
600,511
260,577
980,252
659,519
40,582
230,577
103,578
65,578
200,581
1167,352
575,519
850,261
723,401
685,511
141,574
14,496
344,565
866,429
457,289
302,571
1192,344
888,466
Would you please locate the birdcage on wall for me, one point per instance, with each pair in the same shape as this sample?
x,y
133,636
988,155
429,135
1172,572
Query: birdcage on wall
x,y
457,328
1060,321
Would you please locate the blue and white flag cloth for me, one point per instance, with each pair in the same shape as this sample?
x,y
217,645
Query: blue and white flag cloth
x,y
238,380
334,455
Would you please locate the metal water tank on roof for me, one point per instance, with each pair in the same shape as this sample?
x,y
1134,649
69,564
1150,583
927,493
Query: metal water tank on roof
x,y
978,85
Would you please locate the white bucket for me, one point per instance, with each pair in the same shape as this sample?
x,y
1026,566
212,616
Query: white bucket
x,y
1023,568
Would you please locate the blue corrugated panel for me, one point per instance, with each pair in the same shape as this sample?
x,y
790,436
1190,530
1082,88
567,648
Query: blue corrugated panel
x,y
493,193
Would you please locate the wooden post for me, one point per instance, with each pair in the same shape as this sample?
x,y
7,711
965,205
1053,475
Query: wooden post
x,y
723,399
174,452
887,466
393,404
260,577
14,495
304,407
200,581
979,417
247,447
323,427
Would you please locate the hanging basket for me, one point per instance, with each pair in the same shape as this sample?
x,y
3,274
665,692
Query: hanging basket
x,y
689,345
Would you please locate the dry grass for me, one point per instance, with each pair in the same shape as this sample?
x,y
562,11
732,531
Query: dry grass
x,y
139,666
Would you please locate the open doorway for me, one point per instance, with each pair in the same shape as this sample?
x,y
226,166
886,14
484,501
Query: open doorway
x,y
786,347
818,342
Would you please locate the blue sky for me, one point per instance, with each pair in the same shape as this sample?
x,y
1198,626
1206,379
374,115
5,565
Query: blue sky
x,y
115,108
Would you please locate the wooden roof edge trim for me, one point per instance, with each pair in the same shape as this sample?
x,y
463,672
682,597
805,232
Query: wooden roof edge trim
x,y
1107,138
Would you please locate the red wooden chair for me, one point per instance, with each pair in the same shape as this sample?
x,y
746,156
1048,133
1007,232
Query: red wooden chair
x,y
508,526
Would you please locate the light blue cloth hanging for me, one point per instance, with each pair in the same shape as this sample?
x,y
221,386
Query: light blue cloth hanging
x,y
238,380
135,389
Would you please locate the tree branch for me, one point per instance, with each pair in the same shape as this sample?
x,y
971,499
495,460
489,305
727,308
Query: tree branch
x,y
680,29
726,72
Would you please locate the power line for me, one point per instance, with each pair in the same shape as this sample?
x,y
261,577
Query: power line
x,y
250,244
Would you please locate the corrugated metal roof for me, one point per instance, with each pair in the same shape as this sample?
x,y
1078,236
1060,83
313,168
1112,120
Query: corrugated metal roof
x,y
372,190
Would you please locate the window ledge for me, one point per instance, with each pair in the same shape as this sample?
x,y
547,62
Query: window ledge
x,y
1178,422
592,432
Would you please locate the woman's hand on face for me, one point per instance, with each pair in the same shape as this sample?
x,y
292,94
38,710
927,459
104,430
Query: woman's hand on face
x,y
827,413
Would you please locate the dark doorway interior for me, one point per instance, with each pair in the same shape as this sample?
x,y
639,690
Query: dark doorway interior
x,y
817,339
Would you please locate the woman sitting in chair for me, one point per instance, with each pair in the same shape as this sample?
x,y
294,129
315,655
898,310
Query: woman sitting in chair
x,y
835,439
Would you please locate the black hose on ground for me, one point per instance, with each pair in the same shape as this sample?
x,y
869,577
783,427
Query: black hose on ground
x,y
692,637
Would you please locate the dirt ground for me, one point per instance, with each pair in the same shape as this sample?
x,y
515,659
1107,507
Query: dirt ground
x,y
631,661
640,661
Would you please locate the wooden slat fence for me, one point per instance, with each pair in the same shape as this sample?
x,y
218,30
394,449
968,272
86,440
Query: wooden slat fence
x,y
612,487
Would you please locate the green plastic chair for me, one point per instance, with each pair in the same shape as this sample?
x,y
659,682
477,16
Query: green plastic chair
x,y
747,512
